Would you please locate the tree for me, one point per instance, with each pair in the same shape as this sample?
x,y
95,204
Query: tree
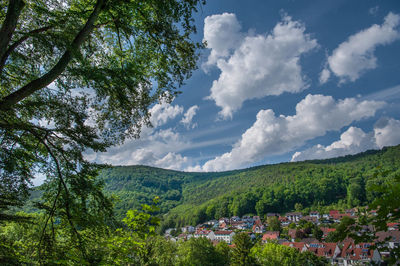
x,y
273,223
276,254
298,207
241,253
317,233
199,251
79,76
129,244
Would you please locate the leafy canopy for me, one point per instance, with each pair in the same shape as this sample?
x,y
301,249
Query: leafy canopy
x,y
80,75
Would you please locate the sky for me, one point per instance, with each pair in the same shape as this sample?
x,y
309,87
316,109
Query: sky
x,y
279,81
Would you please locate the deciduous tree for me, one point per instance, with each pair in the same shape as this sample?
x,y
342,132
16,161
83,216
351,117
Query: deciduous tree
x,y
78,76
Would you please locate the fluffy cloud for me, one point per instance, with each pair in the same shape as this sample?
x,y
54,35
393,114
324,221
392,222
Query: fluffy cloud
x,y
259,65
271,134
356,55
188,117
386,133
155,147
161,113
222,34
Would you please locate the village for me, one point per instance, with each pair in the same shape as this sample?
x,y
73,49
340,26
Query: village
x,y
311,232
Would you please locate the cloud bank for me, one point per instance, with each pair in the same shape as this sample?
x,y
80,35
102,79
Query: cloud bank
x,y
254,66
272,135
355,140
356,55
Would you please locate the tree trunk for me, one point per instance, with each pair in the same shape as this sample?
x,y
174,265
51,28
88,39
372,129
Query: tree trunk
x,y
10,23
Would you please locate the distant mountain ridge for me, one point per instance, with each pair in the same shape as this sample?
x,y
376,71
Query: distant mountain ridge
x,y
189,197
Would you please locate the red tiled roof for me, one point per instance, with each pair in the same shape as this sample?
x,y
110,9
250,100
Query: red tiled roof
x,y
297,245
322,249
356,251
270,235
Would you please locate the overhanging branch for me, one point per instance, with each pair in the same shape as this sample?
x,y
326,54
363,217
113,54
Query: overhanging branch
x,y
9,101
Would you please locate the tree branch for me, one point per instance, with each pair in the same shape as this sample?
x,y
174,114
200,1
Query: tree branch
x,y
37,84
19,42
10,23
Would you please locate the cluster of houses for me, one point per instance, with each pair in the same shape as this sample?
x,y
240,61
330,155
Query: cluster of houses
x,y
346,252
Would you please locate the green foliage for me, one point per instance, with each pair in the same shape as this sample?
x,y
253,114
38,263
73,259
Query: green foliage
x,y
273,223
199,251
241,255
272,254
317,233
128,245
80,76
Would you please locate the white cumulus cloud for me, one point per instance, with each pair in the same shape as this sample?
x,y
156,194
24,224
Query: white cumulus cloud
x,y
386,133
155,147
356,55
162,112
255,66
271,134
222,34
188,117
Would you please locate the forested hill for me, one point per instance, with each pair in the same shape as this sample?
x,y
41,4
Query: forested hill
x,y
195,197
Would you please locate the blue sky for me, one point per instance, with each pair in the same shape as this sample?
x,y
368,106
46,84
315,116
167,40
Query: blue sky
x,y
279,81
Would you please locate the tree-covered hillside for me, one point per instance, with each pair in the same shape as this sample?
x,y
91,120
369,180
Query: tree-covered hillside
x,y
194,197
136,185
190,198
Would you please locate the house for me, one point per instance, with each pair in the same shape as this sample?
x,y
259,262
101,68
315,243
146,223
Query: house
x,y
223,220
328,250
223,225
258,227
333,212
357,253
392,226
351,212
326,216
241,225
315,214
284,221
219,236
201,233
270,235
337,217
293,216
300,246
308,218
235,219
